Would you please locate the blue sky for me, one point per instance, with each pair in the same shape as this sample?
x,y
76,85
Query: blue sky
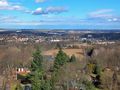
x,y
60,14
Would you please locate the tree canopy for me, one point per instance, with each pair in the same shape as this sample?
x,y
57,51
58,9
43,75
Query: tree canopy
x,y
60,59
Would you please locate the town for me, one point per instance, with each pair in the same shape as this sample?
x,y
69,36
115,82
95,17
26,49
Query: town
x,y
53,36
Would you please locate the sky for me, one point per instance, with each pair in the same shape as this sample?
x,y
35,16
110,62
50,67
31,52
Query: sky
x,y
60,14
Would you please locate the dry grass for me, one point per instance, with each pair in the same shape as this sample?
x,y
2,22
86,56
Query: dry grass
x,y
77,52
2,54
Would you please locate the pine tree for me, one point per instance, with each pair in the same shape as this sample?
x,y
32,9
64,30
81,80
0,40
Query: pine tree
x,y
73,58
46,85
36,64
36,75
97,69
60,59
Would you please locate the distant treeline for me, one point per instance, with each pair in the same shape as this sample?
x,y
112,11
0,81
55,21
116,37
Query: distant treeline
x,y
108,35
103,36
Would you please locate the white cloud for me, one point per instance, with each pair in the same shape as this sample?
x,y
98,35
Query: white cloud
x,y
56,9
5,5
17,7
49,10
109,20
7,18
115,19
103,13
103,17
38,1
38,11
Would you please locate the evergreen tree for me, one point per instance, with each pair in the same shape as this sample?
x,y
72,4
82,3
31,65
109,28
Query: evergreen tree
x,y
60,59
89,52
36,64
46,85
36,80
97,69
73,58
36,75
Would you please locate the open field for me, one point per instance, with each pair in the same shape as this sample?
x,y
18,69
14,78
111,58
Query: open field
x,y
77,52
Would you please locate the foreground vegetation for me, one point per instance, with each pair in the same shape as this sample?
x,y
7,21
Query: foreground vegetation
x,y
98,70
